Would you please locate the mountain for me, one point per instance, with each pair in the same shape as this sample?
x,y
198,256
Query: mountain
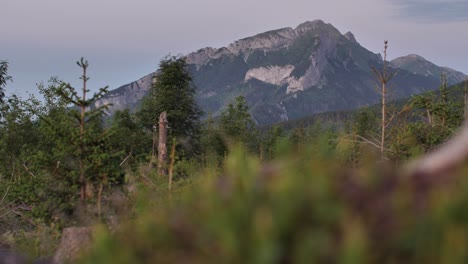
x,y
127,96
418,65
291,73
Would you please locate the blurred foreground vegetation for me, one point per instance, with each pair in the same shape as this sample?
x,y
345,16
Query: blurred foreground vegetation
x,y
301,207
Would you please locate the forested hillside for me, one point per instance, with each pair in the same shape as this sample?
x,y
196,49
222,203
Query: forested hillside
x,y
160,184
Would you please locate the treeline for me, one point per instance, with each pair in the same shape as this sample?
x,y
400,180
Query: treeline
x,y
58,150
60,155
64,162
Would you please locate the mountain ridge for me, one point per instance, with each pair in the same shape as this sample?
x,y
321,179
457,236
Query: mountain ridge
x,y
290,73
419,65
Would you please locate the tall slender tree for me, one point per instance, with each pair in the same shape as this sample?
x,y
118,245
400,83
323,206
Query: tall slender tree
x,y
172,92
384,76
85,140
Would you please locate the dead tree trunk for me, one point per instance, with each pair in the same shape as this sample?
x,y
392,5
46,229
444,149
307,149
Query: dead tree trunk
x,y
383,76
162,144
83,182
384,115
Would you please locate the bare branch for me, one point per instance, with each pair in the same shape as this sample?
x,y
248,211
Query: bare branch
x,y
7,206
374,138
394,115
126,158
365,141
4,195
27,169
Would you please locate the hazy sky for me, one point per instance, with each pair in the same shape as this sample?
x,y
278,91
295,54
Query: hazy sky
x,y
124,40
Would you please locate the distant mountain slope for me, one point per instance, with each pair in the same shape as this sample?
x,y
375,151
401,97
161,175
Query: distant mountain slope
x,y
292,73
418,65
127,96
337,119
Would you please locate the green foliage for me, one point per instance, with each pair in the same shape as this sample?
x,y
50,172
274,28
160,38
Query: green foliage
x,y
41,148
128,139
429,137
444,108
212,143
436,116
41,241
269,141
81,132
4,77
365,122
46,198
18,135
237,124
424,102
174,93
25,151
185,169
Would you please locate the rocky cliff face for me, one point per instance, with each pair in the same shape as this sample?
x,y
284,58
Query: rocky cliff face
x,y
127,96
290,73
324,44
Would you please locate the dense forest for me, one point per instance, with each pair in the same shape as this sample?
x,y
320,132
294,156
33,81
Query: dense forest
x,y
169,183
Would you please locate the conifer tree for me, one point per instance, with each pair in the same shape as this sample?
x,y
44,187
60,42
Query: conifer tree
x,y
3,78
237,124
173,92
86,135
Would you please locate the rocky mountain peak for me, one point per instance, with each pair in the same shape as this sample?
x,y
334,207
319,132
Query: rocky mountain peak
x,y
202,56
311,25
413,57
410,61
289,73
269,40
350,36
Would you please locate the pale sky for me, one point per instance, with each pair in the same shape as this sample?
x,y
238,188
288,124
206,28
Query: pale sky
x,y
124,40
